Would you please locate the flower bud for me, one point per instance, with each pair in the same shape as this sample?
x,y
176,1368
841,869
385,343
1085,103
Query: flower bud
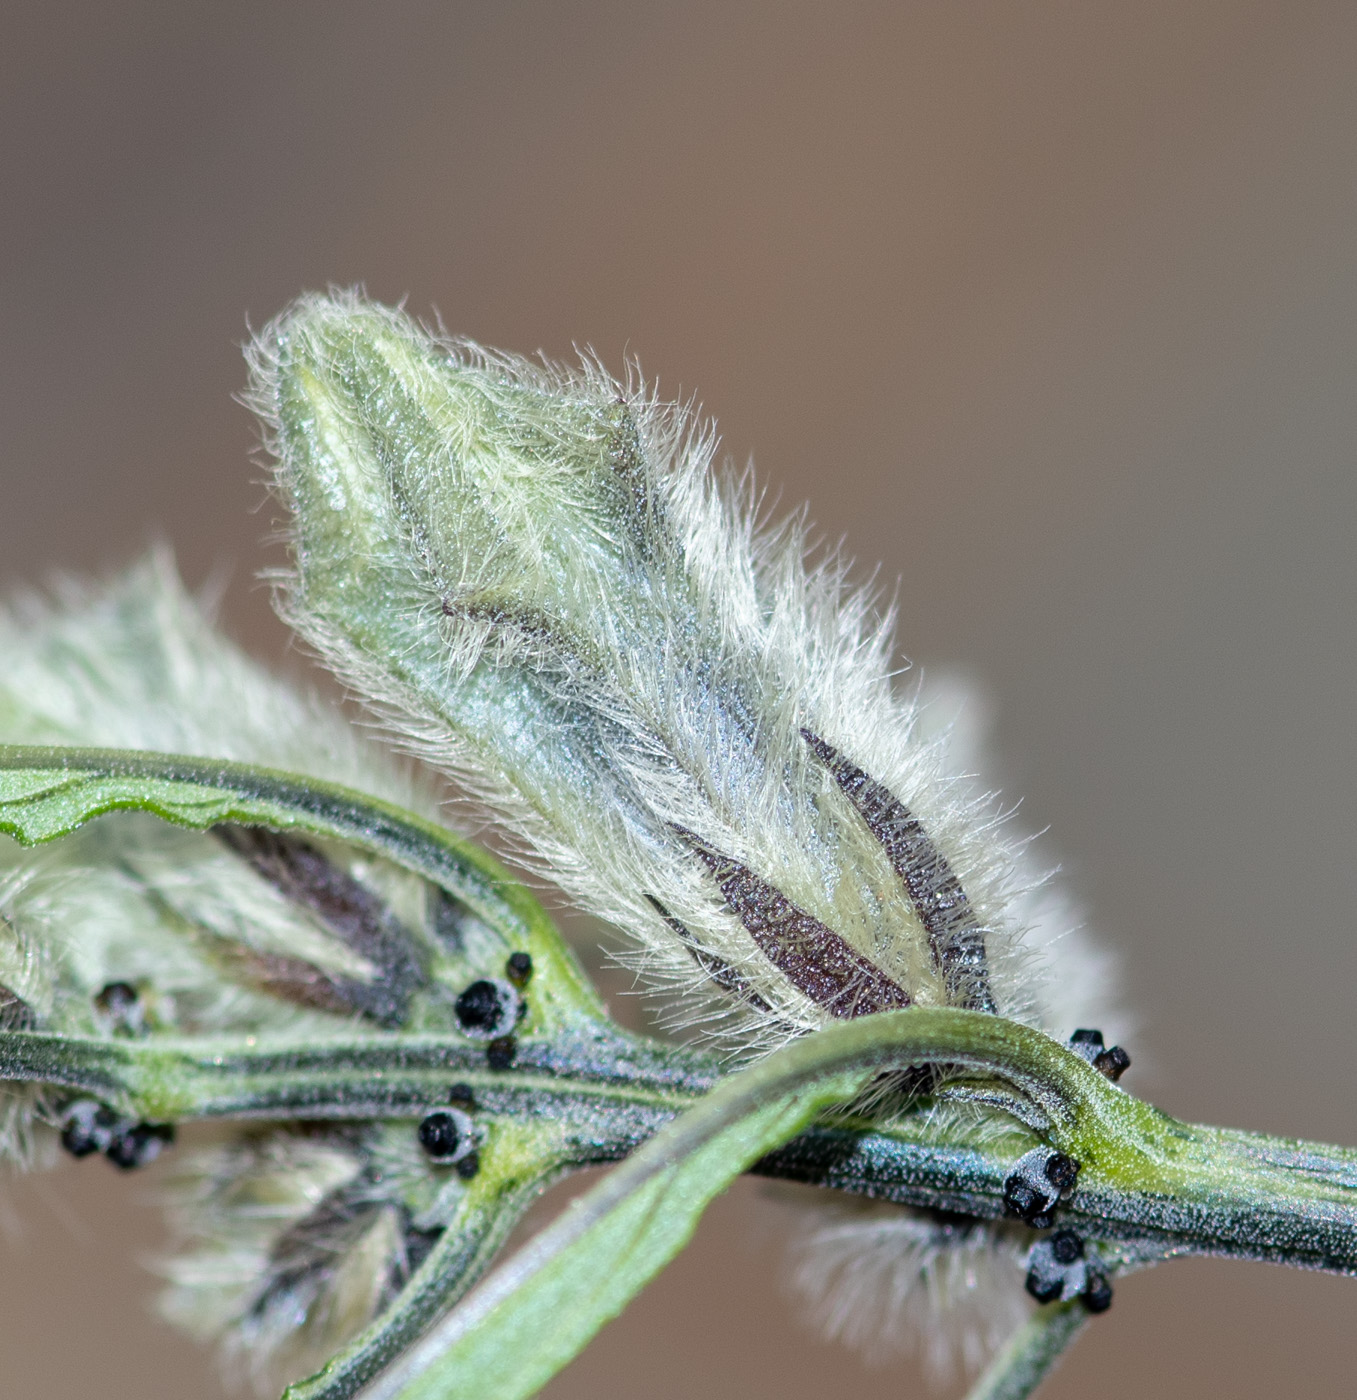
x,y
534,576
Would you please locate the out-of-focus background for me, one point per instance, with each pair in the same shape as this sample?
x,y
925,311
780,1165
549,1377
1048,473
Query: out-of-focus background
x,y
1050,308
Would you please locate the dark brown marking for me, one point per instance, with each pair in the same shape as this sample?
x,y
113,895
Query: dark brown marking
x,y
448,917
295,980
347,909
812,957
716,969
525,621
304,1256
15,1013
956,938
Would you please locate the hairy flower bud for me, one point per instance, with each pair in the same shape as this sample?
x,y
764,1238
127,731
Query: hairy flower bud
x,y
534,575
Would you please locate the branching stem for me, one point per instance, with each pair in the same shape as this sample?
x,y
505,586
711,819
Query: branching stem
x,y
1146,1180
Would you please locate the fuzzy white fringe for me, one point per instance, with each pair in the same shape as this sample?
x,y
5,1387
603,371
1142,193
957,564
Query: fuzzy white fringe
x,y
893,1283
533,574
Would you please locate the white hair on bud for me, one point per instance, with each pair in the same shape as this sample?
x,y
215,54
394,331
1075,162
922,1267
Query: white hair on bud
x,y
892,1282
277,1272
205,942
535,576
137,662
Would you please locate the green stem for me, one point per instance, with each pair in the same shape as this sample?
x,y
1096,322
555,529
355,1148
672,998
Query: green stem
x,y
611,1089
1031,1353
1146,1179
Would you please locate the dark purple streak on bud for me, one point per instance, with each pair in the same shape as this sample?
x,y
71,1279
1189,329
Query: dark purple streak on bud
x,y
955,936
714,968
349,910
812,957
15,1013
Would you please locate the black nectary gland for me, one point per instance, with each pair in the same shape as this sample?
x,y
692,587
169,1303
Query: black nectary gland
x,y
77,1142
1066,1247
1098,1295
500,1054
1038,1181
518,969
88,1128
1020,1197
139,1145
1061,1170
1045,1288
1057,1267
440,1135
1113,1062
488,1009
480,1007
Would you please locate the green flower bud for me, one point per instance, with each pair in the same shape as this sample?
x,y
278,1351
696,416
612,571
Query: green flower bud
x,y
534,576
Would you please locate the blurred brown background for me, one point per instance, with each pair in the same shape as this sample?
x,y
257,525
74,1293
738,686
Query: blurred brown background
x,y
1049,307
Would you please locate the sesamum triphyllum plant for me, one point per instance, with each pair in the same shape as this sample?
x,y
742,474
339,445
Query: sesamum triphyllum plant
x,y
231,911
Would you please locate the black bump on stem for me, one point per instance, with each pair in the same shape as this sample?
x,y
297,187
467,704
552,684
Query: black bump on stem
x,y
1058,1268
139,1145
1037,1183
1113,1062
1061,1171
88,1127
1066,1247
488,1009
445,1135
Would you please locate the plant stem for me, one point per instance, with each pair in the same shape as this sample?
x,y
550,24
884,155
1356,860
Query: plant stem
x,y
1152,1184
1031,1353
